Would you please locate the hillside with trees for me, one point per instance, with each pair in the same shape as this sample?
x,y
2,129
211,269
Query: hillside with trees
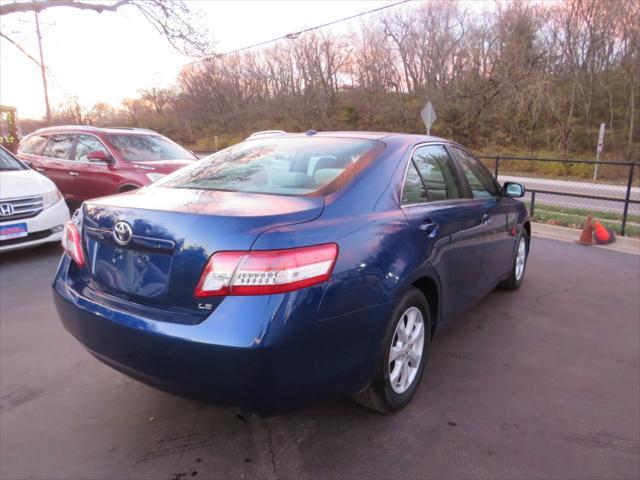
x,y
521,76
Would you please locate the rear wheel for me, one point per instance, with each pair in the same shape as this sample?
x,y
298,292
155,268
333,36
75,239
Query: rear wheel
x,y
516,277
406,346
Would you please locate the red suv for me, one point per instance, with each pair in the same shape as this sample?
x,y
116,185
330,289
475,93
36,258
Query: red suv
x,y
87,162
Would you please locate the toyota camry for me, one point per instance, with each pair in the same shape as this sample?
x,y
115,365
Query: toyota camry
x,y
291,268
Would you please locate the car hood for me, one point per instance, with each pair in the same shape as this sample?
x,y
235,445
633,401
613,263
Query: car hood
x,y
163,166
23,183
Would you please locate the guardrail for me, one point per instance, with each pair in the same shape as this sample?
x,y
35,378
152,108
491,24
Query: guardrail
x,y
565,190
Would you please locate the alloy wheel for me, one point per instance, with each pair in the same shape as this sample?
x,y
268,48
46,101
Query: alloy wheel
x,y
521,258
407,345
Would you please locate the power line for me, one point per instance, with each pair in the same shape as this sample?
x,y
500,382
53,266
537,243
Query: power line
x,y
20,49
294,35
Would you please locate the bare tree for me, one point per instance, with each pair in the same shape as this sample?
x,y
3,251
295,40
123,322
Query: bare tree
x,y
523,74
173,19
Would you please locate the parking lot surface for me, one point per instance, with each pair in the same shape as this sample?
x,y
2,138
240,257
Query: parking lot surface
x,y
539,383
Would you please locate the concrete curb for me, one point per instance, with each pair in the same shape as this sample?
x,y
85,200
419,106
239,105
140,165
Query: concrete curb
x,y
570,235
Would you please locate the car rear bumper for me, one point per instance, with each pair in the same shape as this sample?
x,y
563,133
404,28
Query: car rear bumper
x,y
220,374
254,358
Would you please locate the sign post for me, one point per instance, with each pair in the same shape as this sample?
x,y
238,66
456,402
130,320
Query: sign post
x,y
598,151
429,116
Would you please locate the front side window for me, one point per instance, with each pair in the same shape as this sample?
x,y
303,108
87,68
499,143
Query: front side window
x,y
137,147
32,145
86,144
430,177
288,166
59,146
480,180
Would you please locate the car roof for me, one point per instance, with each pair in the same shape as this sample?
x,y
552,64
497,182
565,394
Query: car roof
x,y
90,129
357,134
408,137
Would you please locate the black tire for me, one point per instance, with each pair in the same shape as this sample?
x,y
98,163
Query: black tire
x,y
379,395
513,282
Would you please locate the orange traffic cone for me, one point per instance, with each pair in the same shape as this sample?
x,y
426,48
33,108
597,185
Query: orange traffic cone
x,y
586,237
604,235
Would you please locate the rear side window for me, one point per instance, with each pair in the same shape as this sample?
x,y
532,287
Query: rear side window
x,y
59,146
413,190
285,166
480,180
32,145
430,177
86,144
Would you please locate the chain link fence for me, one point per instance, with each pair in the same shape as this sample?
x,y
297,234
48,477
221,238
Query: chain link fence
x,y
564,192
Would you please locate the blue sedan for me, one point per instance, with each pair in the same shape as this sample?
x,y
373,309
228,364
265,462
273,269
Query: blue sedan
x,y
291,268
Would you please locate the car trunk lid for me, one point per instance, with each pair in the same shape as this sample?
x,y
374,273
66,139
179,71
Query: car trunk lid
x,y
169,234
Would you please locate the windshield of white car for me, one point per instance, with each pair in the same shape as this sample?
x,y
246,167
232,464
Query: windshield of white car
x,y
279,166
7,162
147,148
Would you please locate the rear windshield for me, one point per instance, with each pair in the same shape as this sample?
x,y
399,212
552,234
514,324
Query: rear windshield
x,y
147,148
285,166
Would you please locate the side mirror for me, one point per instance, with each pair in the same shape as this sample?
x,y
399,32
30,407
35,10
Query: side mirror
x,y
97,156
513,190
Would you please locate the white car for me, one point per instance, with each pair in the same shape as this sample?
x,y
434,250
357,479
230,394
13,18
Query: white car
x,y
32,210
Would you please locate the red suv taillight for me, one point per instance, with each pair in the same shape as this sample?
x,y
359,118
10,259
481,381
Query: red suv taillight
x,y
265,272
72,243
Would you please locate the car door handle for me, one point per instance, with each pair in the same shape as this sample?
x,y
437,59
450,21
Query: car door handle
x,y
40,169
73,174
429,227
486,219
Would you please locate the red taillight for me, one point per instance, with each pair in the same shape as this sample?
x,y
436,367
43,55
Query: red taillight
x,y
72,243
264,272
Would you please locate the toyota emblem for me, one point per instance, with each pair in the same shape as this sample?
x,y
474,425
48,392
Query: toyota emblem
x,y
122,233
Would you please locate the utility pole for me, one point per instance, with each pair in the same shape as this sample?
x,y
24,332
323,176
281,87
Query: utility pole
x,y
43,69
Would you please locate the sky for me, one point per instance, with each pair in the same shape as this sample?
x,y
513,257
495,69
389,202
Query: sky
x,y
111,56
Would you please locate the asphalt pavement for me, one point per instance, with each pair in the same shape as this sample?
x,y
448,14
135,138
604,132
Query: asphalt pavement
x,y
539,383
